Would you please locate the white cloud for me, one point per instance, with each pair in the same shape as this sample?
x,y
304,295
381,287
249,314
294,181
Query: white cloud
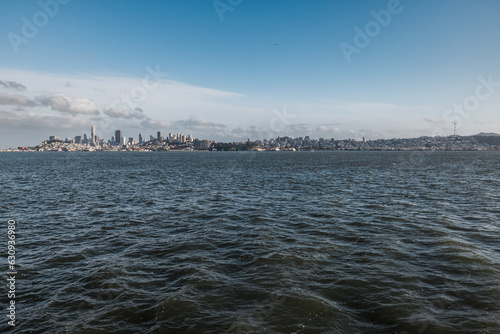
x,y
126,114
151,124
195,124
32,121
68,104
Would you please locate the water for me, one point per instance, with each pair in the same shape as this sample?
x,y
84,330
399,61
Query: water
x,y
267,242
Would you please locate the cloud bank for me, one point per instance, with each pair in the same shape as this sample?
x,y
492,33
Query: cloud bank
x,y
135,105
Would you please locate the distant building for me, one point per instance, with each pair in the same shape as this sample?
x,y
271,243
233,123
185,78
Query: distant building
x,y
123,141
118,136
53,138
140,138
201,144
93,137
158,136
78,140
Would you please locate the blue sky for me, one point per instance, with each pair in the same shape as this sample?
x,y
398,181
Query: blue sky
x,y
220,76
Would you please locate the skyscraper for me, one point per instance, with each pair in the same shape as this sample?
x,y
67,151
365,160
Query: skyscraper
x,y
140,138
158,135
93,138
118,136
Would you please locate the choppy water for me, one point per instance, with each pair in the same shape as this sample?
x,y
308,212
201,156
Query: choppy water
x,y
268,242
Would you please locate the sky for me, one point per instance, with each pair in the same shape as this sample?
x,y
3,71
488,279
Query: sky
x,y
229,70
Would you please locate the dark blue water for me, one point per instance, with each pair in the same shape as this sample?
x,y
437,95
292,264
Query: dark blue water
x,y
267,242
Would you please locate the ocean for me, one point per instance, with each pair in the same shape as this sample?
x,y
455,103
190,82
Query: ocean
x,y
252,242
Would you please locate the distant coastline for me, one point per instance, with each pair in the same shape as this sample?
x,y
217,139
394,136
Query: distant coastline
x,y
479,142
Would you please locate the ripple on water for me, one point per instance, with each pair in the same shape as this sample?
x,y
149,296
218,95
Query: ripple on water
x,y
213,242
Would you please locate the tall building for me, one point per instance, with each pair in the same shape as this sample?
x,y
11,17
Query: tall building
x,y
140,138
158,135
118,136
93,137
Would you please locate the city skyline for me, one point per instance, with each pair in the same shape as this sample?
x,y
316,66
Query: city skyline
x,y
95,139
179,141
384,69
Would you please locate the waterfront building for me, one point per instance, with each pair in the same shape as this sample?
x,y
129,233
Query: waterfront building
x,y
201,144
140,138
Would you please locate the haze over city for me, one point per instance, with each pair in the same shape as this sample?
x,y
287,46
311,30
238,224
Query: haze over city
x,y
233,70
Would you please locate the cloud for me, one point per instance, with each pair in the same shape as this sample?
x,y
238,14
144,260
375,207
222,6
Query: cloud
x,y
40,122
321,128
16,100
121,113
196,126
12,85
149,123
213,114
68,104
200,125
